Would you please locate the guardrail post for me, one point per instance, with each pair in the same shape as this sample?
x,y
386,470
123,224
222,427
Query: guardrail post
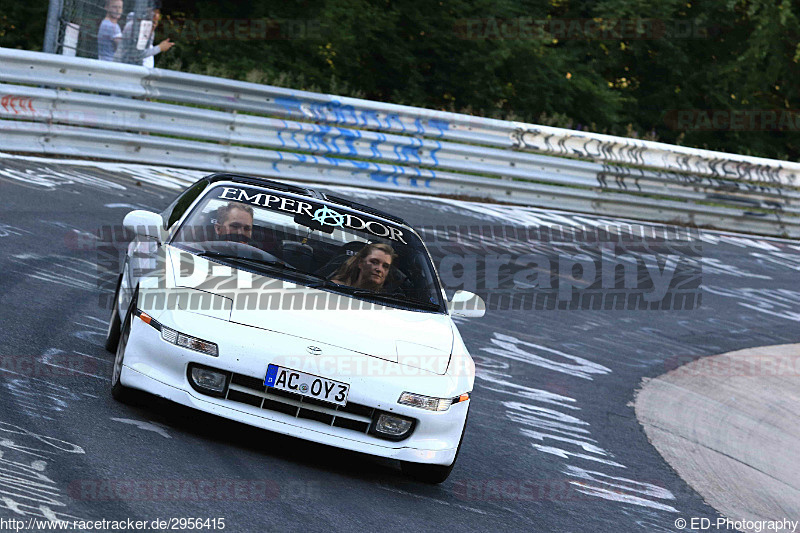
x,y
53,26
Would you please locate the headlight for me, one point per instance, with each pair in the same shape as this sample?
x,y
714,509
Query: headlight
x,y
187,341
178,338
393,425
429,403
208,379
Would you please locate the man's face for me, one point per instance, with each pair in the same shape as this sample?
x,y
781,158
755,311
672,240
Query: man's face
x,y
114,10
375,267
238,223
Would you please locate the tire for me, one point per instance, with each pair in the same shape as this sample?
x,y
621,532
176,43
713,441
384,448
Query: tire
x,y
433,474
114,323
120,392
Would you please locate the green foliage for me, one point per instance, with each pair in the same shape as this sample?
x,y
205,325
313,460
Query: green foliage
x,y
22,24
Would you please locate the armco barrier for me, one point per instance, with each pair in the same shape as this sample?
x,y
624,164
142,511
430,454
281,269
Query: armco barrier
x,y
58,105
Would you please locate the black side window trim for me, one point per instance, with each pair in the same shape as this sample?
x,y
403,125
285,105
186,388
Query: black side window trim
x,y
176,210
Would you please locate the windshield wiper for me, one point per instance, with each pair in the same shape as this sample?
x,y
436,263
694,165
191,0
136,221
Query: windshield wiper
x,y
253,260
323,282
319,281
396,298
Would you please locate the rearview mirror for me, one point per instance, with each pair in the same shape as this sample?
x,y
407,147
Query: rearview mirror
x,y
466,304
145,224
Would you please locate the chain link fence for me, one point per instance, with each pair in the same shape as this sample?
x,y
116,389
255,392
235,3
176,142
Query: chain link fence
x,y
111,30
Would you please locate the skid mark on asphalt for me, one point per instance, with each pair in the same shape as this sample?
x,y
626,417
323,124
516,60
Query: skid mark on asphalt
x,y
75,238
781,303
648,520
95,332
604,337
70,272
34,386
7,230
45,401
26,490
788,260
498,382
619,488
535,354
769,255
145,426
435,500
742,241
712,265
47,177
128,206
551,431
39,401
525,216
75,366
83,172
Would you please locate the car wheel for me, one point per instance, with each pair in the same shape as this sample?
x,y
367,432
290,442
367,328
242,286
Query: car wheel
x,y
433,474
114,323
120,392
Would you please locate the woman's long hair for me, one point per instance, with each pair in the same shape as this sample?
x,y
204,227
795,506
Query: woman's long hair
x,y
348,272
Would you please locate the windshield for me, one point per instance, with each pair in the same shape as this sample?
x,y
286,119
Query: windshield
x,y
312,243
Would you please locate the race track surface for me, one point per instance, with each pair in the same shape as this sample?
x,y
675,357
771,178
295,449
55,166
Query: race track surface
x,y
553,443
729,425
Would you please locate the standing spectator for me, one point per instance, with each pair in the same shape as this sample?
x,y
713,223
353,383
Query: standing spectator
x,y
128,52
109,34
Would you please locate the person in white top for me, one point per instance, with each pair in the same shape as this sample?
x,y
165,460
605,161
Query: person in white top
x,y
128,53
109,34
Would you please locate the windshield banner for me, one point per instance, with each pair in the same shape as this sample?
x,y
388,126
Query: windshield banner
x,y
321,214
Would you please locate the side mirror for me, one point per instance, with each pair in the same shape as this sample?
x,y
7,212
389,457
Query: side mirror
x,y
467,304
145,224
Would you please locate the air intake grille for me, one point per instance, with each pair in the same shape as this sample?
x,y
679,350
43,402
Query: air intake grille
x,y
252,391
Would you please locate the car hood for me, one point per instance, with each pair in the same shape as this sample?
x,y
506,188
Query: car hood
x,y
419,339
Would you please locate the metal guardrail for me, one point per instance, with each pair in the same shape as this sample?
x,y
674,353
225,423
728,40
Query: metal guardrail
x,y
56,105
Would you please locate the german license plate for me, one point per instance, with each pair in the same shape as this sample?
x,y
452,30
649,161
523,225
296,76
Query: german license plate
x,y
306,385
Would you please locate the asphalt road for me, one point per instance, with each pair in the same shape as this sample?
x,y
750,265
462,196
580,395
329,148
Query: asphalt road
x,y
733,440
552,445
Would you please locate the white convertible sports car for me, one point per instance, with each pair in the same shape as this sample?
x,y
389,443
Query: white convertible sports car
x,y
298,312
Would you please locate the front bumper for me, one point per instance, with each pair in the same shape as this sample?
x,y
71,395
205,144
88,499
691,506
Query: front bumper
x,y
160,368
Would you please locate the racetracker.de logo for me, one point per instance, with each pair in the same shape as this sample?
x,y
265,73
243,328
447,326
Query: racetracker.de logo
x,y
529,28
190,490
733,119
225,29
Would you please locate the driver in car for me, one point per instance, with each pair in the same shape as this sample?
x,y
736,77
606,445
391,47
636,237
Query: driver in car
x,y
234,223
368,268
